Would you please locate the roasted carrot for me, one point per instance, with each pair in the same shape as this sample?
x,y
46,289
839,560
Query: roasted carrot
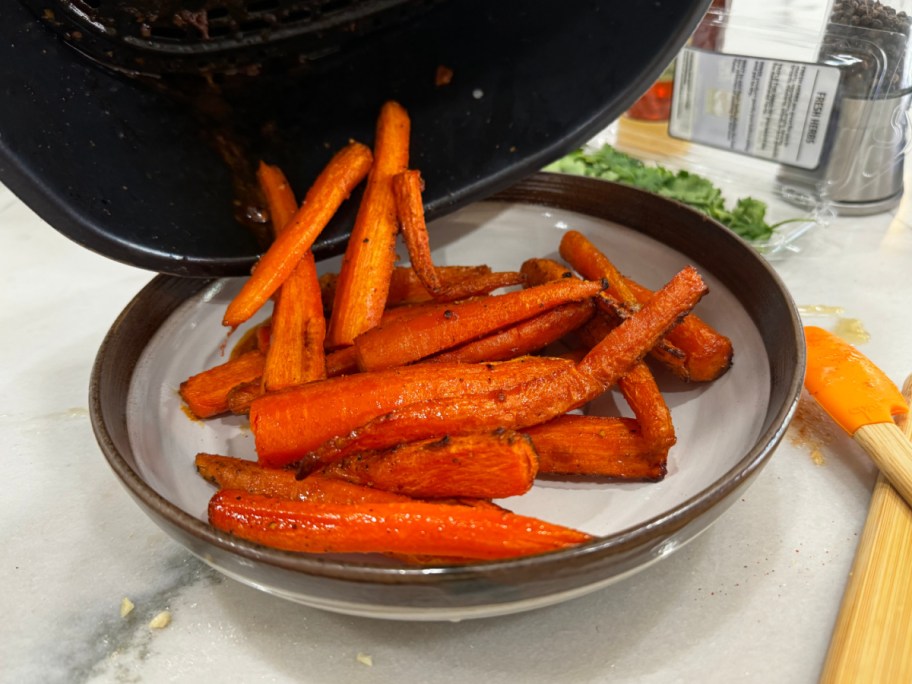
x,y
540,271
289,424
642,394
405,528
405,287
445,326
694,351
523,338
226,472
206,393
321,420
241,396
333,186
596,446
298,329
367,266
481,284
482,466
255,338
407,189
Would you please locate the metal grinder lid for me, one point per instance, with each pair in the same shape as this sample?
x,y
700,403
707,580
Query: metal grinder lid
x,y
130,171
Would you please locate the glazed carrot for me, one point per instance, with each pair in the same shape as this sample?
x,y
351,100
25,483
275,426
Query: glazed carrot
x,y
367,266
407,189
482,466
523,338
333,186
226,472
341,362
206,393
405,287
405,528
596,446
587,260
540,271
289,424
642,394
707,353
241,396
295,354
695,350
257,338
481,284
448,325
517,394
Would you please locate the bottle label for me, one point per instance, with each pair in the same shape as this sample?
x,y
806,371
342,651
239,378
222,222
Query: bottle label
x,y
766,108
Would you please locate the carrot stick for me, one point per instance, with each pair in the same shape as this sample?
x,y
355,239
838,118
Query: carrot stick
x,y
405,528
405,287
483,466
241,396
226,472
523,338
483,283
407,189
642,394
295,354
448,325
206,393
596,446
289,424
334,184
367,266
541,271
704,353
517,398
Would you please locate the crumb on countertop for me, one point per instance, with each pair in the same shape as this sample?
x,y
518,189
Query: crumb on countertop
x,y
365,659
126,607
160,621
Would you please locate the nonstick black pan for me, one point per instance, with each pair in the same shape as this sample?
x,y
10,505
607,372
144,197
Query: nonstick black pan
x,y
155,171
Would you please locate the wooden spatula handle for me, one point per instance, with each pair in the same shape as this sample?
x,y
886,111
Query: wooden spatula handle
x,y
873,632
892,452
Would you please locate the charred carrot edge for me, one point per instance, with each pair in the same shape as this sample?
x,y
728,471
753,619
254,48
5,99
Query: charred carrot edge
x,y
295,353
405,528
241,396
405,288
367,266
539,271
443,327
528,399
333,186
523,338
483,283
226,472
407,189
595,446
704,353
642,394
206,393
490,465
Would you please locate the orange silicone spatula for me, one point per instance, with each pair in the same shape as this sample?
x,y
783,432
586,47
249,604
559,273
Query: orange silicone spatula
x,y
863,401
872,635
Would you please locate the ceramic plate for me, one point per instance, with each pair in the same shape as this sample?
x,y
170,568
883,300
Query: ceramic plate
x,y
726,429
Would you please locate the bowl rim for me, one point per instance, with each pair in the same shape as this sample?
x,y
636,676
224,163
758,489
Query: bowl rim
x,y
544,189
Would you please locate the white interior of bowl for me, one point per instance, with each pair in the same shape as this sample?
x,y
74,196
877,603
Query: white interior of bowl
x,y
716,423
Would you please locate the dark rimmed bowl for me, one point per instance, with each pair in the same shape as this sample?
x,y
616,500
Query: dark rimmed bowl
x,y
727,430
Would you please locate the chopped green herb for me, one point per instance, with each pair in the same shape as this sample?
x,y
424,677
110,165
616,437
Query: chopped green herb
x,y
747,218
